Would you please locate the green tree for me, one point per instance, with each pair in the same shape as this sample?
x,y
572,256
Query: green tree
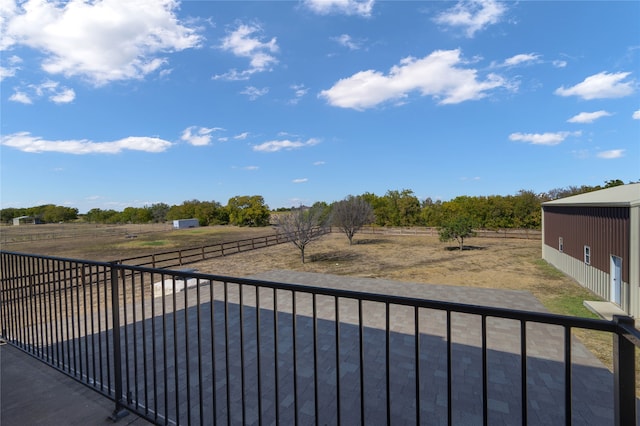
x,y
431,212
248,210
351,214
457,228
159,212
397,208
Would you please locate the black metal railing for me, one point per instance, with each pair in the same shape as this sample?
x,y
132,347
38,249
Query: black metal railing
x,y
188,348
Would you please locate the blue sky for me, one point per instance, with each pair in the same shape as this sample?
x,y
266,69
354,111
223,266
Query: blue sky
x,y
108,104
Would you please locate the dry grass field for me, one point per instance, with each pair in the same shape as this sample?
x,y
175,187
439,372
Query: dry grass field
x,y
111,242
486,262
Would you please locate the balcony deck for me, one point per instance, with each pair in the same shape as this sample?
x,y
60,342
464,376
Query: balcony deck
x,y
35,394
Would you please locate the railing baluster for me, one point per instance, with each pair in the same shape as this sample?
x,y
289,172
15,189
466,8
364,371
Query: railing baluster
x,y
226,347
154,350
59,318
176,370
388,360
144,344
567,377
295,356
22,334
165,343
242,358
72,288
93,328
199,329
67,336
485,374
134,331
107,283
361,353
523,367
32,317
86,322
213,354
449,370
127,370
416,321
258,351
186,346
315,359
337,333
275,354
40,311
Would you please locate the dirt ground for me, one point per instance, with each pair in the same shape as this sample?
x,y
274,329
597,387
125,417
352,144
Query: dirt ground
x,y
486,262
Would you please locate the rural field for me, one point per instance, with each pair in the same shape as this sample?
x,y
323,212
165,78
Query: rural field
x,y
505,263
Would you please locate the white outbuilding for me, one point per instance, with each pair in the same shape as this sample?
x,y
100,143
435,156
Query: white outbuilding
x,y
185,223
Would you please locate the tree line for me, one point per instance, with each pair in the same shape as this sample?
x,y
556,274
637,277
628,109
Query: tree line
x,y
394,208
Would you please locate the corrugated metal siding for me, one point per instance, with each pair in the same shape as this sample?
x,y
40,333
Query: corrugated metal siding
x,y
597,281
604,229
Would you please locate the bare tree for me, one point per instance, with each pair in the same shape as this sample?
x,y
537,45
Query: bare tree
x,y
301,226
351,214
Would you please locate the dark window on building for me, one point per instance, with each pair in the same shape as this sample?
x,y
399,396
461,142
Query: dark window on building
x,y
587,255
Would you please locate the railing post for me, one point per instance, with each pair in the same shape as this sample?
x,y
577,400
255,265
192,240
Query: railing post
x,y
624,387
119,411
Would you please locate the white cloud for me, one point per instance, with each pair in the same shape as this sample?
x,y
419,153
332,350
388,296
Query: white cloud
x,y
63,97
348,42
10,71
588,117
542,138
6,72
244,43
437,75
319,163
600,86
347,7
198,136
472,16
636,115
611,154
241,136
52,89
250,168
300,180
299,92
522,58
20,97
27,143
275,146
254,93
559,63
102,40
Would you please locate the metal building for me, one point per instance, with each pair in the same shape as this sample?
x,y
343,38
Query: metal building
x,y
595,238
185,223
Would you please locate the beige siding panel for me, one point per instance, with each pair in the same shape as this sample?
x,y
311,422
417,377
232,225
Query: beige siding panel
x,y
593,279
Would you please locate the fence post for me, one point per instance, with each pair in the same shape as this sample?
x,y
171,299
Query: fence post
x,y
624,386
119,411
